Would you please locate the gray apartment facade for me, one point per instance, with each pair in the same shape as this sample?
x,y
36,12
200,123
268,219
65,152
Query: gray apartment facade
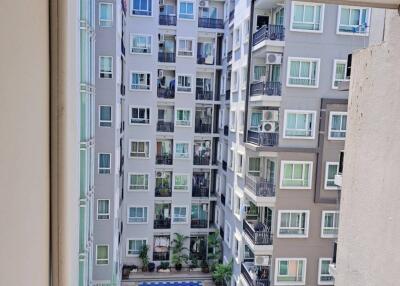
x,y
205,150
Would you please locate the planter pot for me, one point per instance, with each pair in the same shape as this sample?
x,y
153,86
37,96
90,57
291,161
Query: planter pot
x,y
178,267
164,270
197,269
205,270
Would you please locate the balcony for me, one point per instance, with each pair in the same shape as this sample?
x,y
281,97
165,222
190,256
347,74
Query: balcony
x,y
167,20
165,159
204,95
253,276
260,187
269,32
161,256
198,223
211,23
199,191
259,233
231,15
163,192
266,88
264,139
166,93
201,160
163,126
164,57
202,127
162,223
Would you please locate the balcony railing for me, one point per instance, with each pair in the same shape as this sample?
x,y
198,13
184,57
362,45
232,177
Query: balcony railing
x,y
201,160
167,20
252,279
162,223
266,88
259,233
229,56
265,139
165,93
164,57
163,126
198,223
260,187
231,16
165,159
202,127
161,256
269,32
163,191
205,59
204,95
211,23
200,191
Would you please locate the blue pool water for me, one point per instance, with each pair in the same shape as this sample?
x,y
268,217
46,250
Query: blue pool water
x,y
171,283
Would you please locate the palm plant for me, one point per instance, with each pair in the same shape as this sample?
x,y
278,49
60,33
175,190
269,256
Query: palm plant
x,y
214,243
144,256
222,272
178,248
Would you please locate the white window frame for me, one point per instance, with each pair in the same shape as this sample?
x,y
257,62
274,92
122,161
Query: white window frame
x,y
228,234
235,81
106,20
326,187
321,24
232,120
306,112
146,73
219,152
366,34
143,207
278,260
187,186
127,246
139,107
136,15
194,10
108,255
231,159
323,235
185,50
239,163
310,60
335,62
138,174
191,83
306,224
319,272
237,199
331,114
108,73
132,35
138,141
105,121
186,217
98,163
103,214
237,37
229,196
310,175
176,117
175,149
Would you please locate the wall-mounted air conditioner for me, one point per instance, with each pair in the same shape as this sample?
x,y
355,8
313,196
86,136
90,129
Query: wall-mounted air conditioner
x,y
204,4
273,59
270,115
268,126
261,260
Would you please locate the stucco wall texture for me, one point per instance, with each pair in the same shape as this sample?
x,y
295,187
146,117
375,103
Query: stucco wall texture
x,y
368,250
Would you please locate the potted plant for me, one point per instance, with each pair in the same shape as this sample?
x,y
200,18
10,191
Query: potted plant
x,y
194,263
144,256
214,244
151,266
204,266
163,267
178,257
222,272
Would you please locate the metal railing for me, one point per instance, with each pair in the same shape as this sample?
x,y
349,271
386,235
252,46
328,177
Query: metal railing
x,y
204,95
165,159
163,126
165,93
211,23
259,237
260,187
167,20
253,282
269,32
266,88
160,256
201,160
198,223
202,127
200,191
163,192
164,57
163,223
265,139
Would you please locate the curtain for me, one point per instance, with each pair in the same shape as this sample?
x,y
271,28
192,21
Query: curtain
x,y
105,12
104,160
105,113
255,120
340,71
276,73
259,71
283,267
298,13
336,122
102,251
294,69
103,206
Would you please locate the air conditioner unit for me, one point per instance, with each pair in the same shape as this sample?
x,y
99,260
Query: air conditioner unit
x,y
273,59
261,261
268,126
160,175
160,73
204,4
270,115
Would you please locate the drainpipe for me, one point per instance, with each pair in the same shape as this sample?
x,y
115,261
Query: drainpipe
x,y
246,104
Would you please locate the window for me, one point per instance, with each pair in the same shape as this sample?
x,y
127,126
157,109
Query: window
x,y
135,246
331,170
217,212
137,215
353,20
140,81
235,81
179,215
240,121
299,124
236,248
139,115
229,195
246,30
339,73
181,182
303,72
217,184
105,15
186,10
182,150
324,277
101,254
232,121
138,182
184,83
259,73
290,271
337,125
254,167
236,37
139,149
236,205
104,163
219,152
231,159
105,119
239,164
141,7
296,174
329,224
140,44
106,67
293,223
183,117
103,209
185,47
307,17
227,236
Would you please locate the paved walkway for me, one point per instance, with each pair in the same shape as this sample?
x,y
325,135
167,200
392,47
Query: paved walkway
x,y
137,277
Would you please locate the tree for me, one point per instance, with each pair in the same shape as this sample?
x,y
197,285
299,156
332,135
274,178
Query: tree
x,y
144,256
223,272
178,248
214,244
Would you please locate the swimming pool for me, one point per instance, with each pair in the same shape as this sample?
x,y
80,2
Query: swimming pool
x,y
171,283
